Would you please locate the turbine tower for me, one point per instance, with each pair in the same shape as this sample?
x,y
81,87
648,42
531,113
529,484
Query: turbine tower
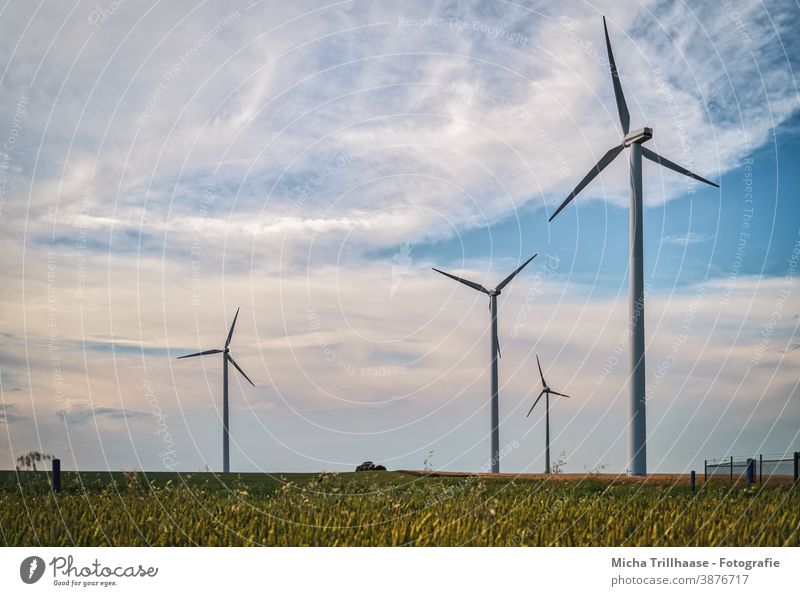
x,y
546,391
493,294
633,141
226,461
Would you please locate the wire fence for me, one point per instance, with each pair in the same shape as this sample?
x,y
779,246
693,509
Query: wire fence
x,y
759,467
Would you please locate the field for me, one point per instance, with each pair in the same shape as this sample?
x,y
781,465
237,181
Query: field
x,y
390,508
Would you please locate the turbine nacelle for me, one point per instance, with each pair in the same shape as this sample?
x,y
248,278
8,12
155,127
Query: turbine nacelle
x,y
631,137
495,353
226,358
545,388
491,293
639,136
637,429
546,392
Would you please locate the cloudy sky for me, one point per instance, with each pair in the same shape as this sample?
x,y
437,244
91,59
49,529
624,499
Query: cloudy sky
x,y
164,163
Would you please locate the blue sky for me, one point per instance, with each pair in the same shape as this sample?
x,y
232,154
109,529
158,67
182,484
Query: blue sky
x,y
166,164
689,241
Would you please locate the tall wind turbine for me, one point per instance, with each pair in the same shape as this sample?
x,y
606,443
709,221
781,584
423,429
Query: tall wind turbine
x,y
546,391
226,461
632,140
493,294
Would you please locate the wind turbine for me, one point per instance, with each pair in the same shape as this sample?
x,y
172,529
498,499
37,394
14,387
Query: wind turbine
x,y
546,391
226,462
632,140
493,294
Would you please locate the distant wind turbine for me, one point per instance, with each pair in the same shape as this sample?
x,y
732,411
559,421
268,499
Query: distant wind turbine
x,y
633,140
493,294
226,463
546,391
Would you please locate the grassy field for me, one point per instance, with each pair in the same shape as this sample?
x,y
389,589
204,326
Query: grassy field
x,y
388,509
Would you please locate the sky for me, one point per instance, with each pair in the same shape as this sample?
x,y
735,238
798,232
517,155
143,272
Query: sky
x,y
165,163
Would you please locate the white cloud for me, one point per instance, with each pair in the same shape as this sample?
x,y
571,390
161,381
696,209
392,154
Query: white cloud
x,y
687,238
77,412
7,414
344,370
453,126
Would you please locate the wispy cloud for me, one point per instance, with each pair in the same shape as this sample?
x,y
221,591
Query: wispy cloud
x,y
687,238
7,415
79,412
393,118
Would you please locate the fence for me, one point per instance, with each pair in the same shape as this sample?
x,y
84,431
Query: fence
x,y
763,466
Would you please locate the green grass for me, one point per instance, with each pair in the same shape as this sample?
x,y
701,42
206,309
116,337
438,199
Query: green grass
x,y
385,509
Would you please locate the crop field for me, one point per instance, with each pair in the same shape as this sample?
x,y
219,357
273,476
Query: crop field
x,y
389,509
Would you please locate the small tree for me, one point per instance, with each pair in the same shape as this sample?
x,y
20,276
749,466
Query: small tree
x,y
30,459
133,480
558,465
428,463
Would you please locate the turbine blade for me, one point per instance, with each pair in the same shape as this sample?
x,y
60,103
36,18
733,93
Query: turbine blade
x,y
534,403
655,157
466,282
541,374
201,354
507,280
561,394
622,107
599,167
240,370
230,333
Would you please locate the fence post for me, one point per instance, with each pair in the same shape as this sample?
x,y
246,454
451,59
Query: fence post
x,y
56,475
692,480
796,466
761,468
750,471
731,468
705,471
